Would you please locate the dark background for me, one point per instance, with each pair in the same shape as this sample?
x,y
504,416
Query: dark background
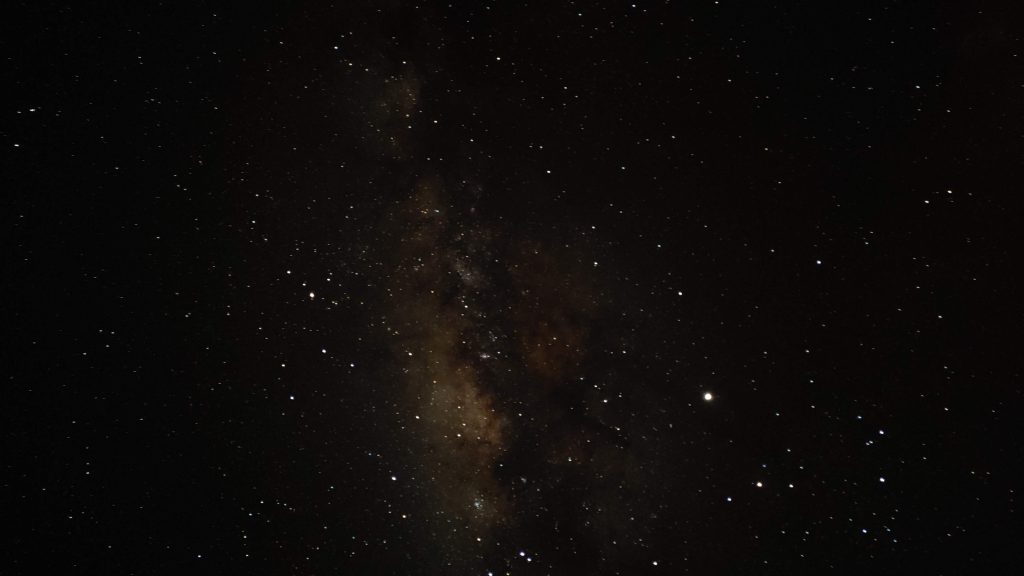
x,y
831,186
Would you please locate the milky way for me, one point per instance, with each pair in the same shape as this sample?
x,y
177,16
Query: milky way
x,y
512,288
441,343
497,339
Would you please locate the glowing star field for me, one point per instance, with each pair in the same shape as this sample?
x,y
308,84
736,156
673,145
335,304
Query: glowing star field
x,y
512,288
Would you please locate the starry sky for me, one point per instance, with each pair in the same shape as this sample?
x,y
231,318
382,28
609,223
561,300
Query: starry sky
x,y
512,288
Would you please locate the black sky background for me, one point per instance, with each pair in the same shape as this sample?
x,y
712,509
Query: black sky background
x,y
191,172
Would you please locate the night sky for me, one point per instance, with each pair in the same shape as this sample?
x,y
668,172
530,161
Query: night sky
x,y
552,288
